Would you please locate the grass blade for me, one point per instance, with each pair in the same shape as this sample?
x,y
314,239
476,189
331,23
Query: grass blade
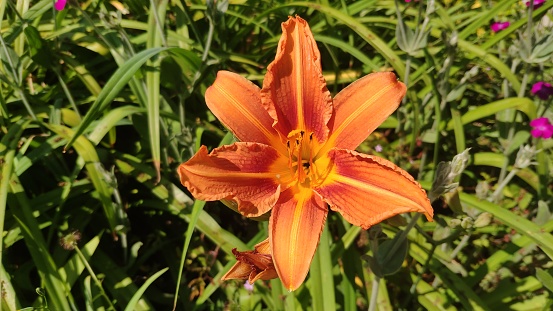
x,y
136,297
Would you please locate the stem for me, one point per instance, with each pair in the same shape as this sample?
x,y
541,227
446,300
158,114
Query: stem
x,y
158,24
94,278
374,293
497,193
459,247
67,92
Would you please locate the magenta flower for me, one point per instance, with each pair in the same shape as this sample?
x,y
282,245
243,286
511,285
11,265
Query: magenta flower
x,y
499,26
542,89
537,3
60,4
541,128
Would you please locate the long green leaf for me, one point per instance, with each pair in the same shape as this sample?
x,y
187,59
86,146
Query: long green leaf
x,y
322,282
114,85
131,306
522,104
86,150
486,17
522,225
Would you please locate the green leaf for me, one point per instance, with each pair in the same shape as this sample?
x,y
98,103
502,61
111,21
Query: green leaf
x,y
131,306
545,278
322,282
391,254
39,49
114,85
86,150
520,224
522,104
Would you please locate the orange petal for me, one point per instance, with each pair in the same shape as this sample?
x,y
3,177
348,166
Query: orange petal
x,y
367,189
243,172
264,275
240,271
236,102
263,247
295,228
362,106
294,90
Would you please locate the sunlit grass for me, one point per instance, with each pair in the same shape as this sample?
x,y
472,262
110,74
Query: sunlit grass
x,y
101,101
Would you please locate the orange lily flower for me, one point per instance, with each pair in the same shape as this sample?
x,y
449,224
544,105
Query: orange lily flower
x,y
253,265
295,157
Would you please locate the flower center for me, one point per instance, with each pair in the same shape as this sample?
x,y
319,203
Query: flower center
x,y
300,157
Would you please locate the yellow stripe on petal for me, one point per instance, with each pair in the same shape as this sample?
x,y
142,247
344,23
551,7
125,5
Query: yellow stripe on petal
x,y
236,102
362,106
295,227
367,189
294,90
247,173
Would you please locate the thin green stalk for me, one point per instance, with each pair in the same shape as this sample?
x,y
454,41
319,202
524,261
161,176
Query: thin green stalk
x,y
198,73
67,92
17,81
374,293
521,93
8,147
322,283
277,294
497,193
93,275
158,23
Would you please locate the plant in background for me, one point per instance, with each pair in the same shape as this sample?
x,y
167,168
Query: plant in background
x,y
296,152
126,83
537,3
498,26
542,89
60,4
541,127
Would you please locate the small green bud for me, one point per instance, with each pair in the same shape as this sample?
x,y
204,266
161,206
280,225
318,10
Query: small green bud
x,y
483,220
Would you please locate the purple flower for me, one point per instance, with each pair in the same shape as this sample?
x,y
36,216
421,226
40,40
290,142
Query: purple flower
x,y
541,128
248,286
537,3
499,26
378,148
60,4
542,89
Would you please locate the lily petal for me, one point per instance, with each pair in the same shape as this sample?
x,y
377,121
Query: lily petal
x,y
294,90
295,228
236,102
362,106
367,189
243,172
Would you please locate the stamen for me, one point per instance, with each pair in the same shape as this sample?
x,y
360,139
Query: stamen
x,y
290,154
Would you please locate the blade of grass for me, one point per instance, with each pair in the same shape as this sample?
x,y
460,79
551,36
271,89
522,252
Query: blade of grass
x,y
522,225
30,229
322,281
131,306
114,85
522,104
485,18
196,209
155,34
87,152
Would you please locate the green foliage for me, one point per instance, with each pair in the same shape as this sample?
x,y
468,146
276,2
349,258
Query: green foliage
x,y
100,103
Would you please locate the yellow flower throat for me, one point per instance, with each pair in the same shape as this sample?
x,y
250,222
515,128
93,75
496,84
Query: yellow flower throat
x,y
301,156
